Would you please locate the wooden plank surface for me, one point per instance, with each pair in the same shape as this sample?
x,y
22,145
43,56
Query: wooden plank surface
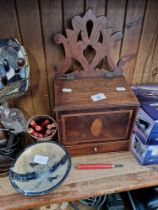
x,y
147,44
116,15
83,184
51,15
98,7
132,33
8,20
30,24
153,76
71,8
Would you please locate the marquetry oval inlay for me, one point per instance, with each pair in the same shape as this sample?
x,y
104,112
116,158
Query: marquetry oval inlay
x,y
96,127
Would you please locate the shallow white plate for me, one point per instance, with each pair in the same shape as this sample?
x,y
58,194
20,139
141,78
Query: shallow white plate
x,y
40,169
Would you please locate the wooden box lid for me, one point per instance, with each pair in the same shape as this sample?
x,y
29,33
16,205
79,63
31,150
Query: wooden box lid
x,y
83,89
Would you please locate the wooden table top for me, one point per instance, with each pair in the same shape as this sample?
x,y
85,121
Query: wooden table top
x,y
83,184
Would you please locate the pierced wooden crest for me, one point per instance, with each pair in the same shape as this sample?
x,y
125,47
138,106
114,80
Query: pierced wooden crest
x,y
94,33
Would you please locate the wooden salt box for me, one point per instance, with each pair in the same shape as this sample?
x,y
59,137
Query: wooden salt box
x,y
95,107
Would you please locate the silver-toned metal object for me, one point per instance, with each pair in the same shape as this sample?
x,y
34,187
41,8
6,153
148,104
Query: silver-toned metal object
x,y
14,69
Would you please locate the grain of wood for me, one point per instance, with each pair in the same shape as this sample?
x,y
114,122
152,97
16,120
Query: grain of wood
x,y
153,76
116,14
8,20
84,184
77,98
132,33
25,104
51,14
85,57
29,20
72,8
147,44
98,7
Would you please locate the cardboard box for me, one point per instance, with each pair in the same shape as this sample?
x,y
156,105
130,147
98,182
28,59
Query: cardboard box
x,y
144,139
146,94
146,124
145,154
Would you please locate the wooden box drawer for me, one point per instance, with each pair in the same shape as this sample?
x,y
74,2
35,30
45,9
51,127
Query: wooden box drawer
x,y
86,129
93,148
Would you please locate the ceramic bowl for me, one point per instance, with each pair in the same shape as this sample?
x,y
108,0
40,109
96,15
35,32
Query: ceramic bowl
x,y
40,169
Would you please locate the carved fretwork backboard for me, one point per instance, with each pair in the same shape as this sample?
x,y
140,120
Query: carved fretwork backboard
x,y
89,34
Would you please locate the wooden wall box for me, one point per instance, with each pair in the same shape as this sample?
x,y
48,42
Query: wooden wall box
x,y
85,126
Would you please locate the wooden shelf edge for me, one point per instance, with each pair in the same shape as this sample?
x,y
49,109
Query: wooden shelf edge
x,y
131,178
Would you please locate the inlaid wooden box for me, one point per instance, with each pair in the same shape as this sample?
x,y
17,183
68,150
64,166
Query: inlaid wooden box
x,y
87,126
